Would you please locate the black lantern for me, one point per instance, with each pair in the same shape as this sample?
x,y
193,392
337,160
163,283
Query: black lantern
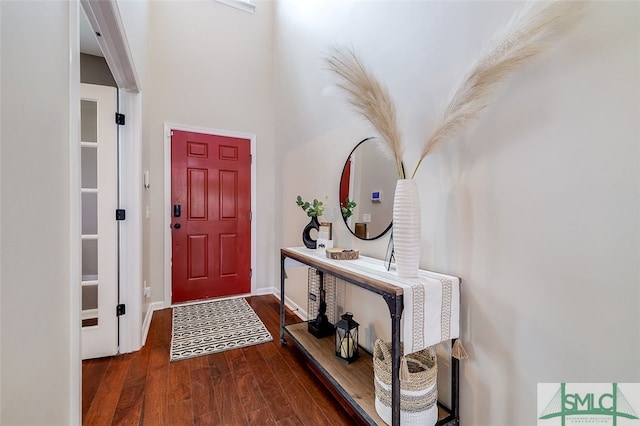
x,y
347,338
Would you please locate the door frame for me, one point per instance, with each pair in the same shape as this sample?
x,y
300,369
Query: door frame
x,y
131,328
167,198
105,15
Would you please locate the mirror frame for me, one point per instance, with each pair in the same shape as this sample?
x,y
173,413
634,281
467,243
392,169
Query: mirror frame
x,y
344,219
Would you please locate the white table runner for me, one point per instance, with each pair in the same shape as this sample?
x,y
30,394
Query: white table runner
x,y
431,301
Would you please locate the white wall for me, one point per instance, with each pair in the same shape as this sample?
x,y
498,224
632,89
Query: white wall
x,y
135,19
536,207
210,66
40,326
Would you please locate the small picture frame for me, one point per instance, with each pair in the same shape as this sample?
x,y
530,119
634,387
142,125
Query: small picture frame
x,y
325,230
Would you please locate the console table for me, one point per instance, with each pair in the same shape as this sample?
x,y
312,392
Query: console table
x,y
353,383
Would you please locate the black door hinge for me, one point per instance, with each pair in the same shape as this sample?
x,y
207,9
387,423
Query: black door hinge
x,y
120,214
120,310
119,119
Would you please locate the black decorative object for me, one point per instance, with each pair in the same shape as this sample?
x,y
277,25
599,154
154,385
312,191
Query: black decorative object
x,y
390,257
306,233
320,326
321,303
347,338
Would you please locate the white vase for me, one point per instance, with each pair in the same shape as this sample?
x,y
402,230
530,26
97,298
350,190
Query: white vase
x,y
406,228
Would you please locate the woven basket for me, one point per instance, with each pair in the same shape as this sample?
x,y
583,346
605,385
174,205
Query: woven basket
x,y
418,394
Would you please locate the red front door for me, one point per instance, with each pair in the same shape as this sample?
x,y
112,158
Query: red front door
x,y
210,209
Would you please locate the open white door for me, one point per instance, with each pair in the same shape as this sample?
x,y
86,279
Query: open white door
x,y
98,137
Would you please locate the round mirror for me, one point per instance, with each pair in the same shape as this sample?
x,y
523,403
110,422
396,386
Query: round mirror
x,y
368,181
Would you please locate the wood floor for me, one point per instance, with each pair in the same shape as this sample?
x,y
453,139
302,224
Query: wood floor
x,y
266,384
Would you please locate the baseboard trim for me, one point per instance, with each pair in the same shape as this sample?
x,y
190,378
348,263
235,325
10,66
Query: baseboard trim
x,y
155,306
263,291
297,309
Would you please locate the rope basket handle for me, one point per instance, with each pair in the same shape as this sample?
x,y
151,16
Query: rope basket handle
x,y
422,360
381,351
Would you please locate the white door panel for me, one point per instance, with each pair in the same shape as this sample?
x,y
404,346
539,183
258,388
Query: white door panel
x,y
98,137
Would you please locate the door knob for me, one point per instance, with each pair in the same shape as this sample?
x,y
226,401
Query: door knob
x,y
177,226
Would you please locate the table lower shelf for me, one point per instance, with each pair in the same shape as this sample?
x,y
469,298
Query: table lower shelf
x,y
353,382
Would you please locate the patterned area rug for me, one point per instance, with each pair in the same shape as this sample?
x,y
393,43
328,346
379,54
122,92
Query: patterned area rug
x,y
216,326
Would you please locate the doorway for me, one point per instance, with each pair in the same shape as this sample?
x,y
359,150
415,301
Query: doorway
x,y
168,207
112,45
211,216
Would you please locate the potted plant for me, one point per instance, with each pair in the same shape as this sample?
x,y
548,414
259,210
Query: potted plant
x,y
313,211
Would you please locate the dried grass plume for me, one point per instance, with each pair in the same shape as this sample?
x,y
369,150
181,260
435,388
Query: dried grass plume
x,y
370,98
527,35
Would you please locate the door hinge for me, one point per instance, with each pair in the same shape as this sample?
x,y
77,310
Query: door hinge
x,y
250,272
250,216
250,158
119,119
120,214
120,310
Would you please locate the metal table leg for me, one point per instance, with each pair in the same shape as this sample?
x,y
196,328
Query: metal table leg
x,y
455,386
283,341
395,310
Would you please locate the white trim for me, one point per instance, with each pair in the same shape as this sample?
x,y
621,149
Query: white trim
x,y
131,287
75,214
167,198
297,309
104,18
155,306
266,291
243,5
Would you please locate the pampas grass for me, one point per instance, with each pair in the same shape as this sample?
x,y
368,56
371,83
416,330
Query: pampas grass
x,y
527,35
370,98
